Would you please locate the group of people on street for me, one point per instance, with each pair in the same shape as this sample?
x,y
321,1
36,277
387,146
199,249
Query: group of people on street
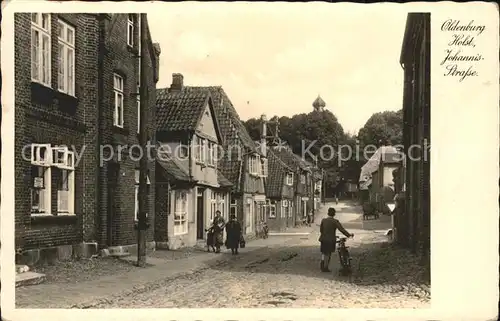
x,y
234,237
327,239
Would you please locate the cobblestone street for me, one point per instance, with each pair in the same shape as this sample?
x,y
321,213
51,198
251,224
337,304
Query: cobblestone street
x,y
282,272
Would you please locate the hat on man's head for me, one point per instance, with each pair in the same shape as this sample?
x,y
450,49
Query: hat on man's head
x,y
331,211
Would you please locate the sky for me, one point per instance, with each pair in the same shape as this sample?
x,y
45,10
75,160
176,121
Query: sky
x,y
276,59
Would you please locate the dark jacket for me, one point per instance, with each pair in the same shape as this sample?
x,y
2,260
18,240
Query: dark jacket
x,y
233,230
328,229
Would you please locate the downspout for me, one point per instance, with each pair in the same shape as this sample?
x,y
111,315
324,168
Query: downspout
x,y
98,217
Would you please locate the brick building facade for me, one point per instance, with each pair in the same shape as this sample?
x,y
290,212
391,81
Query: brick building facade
x,y
64,96
413,216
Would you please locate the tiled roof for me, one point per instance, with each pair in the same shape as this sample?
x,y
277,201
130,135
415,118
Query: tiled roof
x,y
277,170
373,163
223,181
179,110
233,132
288,157
227,116
174,170
305,165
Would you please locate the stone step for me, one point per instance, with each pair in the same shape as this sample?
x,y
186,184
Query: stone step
x,y
122,254
20,268
29,278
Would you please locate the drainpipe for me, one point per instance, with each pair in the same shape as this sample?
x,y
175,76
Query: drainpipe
x,y
99,217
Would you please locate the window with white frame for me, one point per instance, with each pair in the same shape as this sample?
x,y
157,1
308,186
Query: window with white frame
x,y
264,169
130,29
302,179
118,90
271,208
262,212
182,150
64,163
211,153
232,207
221,204
66,58
180,214
254,165
199,149
284,210
41,179
136,191
217,203
138,115
289,179
290,209
213,205
41,48
139,56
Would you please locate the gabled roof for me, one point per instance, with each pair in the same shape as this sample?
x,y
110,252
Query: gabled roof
x,y
222,180
182,110
288,157
228,118
277,170
233,132
305,165
373,163
174,170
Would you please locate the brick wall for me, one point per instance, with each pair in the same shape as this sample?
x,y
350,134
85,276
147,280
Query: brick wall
x,y
414,223
44,116
123,60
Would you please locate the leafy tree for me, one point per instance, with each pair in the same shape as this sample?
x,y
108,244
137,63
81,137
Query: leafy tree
x,y
320,131
383,127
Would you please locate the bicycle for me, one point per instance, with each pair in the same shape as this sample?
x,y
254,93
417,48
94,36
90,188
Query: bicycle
x,y
344,257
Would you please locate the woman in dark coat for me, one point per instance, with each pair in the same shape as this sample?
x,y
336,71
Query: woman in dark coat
x,y
233,230
218,229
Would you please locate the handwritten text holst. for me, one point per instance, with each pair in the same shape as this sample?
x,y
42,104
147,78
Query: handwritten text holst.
x,y
460,59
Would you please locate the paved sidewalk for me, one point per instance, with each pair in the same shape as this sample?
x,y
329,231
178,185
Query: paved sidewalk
x,y
52,295
80,295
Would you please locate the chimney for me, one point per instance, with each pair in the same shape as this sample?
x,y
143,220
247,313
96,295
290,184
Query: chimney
x,y
263,135
177,82
157,52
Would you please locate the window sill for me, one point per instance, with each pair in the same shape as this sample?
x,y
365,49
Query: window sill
x,y
120,130
67,103
49,218
132,49
41,93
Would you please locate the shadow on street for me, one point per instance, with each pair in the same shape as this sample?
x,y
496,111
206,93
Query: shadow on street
x,y
373,264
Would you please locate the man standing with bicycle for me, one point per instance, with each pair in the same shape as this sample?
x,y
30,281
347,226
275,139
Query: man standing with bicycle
x,y
328,238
